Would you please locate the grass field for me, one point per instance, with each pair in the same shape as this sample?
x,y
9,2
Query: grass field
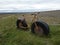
x,y
10,35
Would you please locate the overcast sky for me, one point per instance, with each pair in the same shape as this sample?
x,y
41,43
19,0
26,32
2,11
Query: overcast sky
x,y
28,5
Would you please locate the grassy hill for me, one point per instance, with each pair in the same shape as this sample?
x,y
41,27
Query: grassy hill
x,y
10,35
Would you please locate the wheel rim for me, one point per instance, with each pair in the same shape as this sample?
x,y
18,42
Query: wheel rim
x,y
20,25
38,30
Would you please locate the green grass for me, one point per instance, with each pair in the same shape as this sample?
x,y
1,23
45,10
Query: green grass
x,y
10,35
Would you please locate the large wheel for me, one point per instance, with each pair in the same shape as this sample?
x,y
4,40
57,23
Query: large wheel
x,y
23,22
42,25
17,23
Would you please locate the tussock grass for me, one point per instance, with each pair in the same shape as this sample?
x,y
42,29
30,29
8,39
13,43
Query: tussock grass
x,y
10,35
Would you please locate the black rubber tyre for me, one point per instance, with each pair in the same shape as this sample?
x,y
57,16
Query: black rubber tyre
x,y
43,25
20,21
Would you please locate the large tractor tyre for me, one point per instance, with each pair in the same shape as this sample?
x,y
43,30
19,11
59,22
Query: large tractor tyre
x,y
24,24
43,26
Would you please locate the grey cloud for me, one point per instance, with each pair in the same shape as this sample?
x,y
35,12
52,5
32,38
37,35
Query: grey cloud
x,y
28,1
12,4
